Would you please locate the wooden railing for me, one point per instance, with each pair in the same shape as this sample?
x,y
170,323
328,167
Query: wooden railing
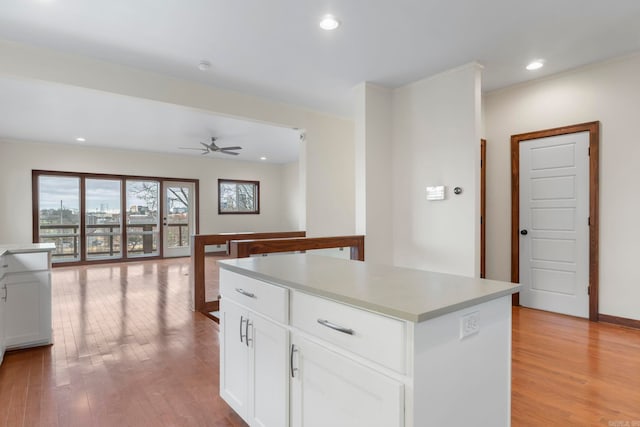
x,y
260,243
198,245
245,248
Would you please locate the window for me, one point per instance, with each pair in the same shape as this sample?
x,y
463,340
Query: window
x,y
143,221
103,218
238,197
99,217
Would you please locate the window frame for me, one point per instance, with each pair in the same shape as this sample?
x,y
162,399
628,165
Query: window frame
x,y
257,202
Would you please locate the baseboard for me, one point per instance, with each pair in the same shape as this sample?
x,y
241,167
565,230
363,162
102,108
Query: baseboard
x,y
622,321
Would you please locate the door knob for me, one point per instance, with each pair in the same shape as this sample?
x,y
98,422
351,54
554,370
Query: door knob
x,y
524,232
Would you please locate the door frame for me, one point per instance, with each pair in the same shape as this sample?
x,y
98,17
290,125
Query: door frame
x,y
594,156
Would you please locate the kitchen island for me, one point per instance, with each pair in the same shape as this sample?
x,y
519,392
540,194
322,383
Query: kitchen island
x,y
315,341
25,295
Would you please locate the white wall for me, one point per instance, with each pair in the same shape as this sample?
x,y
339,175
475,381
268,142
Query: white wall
x,y
330,188
608,92
292,209
17,159
328,152
374,171
436,141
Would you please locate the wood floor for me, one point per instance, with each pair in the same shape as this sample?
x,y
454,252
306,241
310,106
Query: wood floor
x,y
572,372
129,352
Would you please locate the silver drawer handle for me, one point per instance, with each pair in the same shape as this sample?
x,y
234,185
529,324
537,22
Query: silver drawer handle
x,y
245,293
336,327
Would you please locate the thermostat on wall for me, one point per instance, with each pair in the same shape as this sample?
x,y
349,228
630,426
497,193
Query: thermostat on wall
x,y
435,193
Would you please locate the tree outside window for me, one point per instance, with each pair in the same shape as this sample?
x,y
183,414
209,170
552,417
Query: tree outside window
x,y
238,197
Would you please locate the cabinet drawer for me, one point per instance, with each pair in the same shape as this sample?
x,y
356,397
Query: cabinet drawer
x,y
17,263
373,336
261,297
3,266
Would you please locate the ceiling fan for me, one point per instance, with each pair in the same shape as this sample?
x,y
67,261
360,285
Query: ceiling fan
x,y
213,148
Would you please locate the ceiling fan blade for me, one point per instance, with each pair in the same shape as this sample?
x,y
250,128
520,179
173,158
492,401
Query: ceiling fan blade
x,y
230,148
233,153
205,146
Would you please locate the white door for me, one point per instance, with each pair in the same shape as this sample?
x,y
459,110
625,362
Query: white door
x,y
328,389
554,223
178,221
234,361
269,373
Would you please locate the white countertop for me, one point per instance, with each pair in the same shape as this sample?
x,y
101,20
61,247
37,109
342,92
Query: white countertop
x,y
20,248
413,295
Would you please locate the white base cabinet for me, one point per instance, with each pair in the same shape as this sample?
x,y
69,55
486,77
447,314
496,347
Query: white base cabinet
x,y
348,367
254,367
3,304
28,310
25,300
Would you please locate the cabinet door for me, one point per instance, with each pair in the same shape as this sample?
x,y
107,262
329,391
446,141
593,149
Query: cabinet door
x,y
3,291
329,389
269,372
28,309
234,361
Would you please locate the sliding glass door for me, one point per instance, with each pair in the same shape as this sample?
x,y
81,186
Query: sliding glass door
x,y
91,217
59,215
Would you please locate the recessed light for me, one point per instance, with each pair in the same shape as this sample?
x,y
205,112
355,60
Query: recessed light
x,y
80,139
263,158
535,65
204,65
329,22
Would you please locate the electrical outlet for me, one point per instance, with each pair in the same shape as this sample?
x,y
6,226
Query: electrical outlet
x,y
469,324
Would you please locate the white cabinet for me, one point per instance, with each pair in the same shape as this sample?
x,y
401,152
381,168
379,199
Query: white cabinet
x,y
234,357
254,364
3,299
352,366
28,310
27,300
330,389
378,338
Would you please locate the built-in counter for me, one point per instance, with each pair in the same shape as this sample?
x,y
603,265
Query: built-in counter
x,y
314,341
25,295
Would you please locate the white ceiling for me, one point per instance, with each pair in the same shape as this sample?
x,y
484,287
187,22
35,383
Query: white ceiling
x,y
47,112
275,49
